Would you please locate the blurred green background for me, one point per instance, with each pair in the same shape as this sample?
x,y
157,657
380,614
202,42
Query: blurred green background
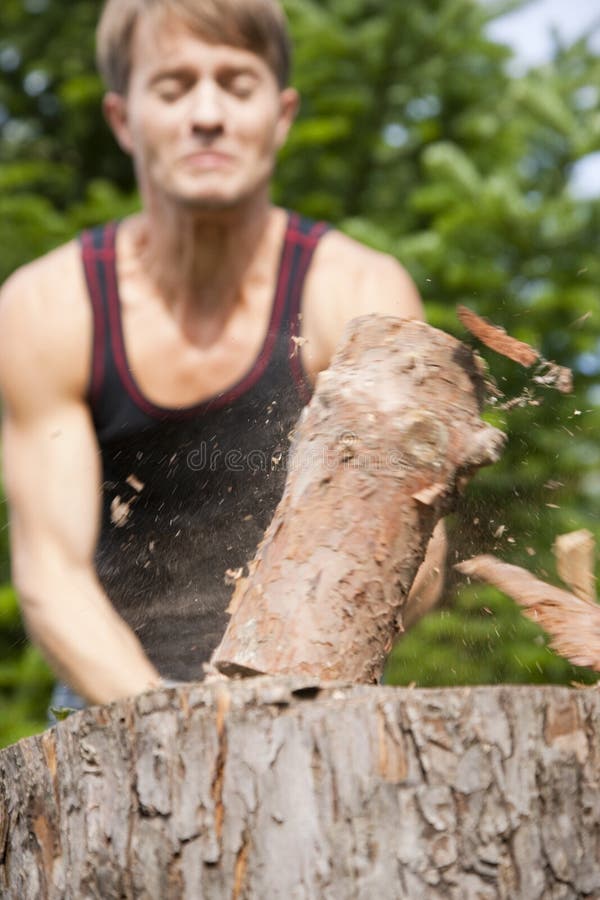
x,y
415,138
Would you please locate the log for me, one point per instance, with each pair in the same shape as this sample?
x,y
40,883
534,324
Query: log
x,y
393,431
269,789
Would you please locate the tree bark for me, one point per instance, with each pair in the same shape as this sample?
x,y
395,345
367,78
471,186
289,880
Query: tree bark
x,y
393,429
270,788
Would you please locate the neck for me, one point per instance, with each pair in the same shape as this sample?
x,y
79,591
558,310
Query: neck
x,y
200,261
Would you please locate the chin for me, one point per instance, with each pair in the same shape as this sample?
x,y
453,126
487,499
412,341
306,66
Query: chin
x,y
214,201
210,203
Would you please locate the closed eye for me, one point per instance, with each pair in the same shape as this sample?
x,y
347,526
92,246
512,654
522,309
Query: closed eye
x,y
170,89
241,85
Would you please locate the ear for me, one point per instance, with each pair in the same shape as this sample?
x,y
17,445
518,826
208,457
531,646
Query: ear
x,y
289,104
115,112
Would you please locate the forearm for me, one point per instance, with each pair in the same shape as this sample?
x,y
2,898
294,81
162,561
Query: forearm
x,y
85,641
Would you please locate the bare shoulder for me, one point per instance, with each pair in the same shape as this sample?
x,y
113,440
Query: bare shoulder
x,y
371,281
58,268
347,280
45,326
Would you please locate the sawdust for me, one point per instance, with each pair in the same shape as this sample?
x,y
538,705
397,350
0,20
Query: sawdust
x,y
134,482
120,512
232,576
298,343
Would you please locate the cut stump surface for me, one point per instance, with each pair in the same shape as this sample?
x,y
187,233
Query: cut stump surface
x,y
270,789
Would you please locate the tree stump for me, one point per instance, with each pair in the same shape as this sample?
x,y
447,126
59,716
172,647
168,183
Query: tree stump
x,y
392,431
270,789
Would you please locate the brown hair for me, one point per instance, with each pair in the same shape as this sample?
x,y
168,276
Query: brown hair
x,y
256,25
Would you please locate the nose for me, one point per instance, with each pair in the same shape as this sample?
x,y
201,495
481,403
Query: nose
x,y
207,109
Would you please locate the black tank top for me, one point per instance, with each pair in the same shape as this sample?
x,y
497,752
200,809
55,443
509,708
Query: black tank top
x,y
189,492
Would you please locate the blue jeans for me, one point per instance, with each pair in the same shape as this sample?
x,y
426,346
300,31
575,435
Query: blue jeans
x,y
63,697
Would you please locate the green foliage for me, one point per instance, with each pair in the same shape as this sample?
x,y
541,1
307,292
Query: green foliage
x,y
415,138
24,678
481,639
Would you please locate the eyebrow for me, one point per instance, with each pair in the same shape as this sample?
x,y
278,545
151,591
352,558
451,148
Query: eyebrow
x,y
180,72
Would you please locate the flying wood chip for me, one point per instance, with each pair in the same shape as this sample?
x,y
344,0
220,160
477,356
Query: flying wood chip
x,y
496,338
572,622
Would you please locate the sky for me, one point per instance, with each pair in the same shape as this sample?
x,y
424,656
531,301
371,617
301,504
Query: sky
x,y
529,32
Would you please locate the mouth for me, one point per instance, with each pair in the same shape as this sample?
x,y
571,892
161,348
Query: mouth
x,y
208,159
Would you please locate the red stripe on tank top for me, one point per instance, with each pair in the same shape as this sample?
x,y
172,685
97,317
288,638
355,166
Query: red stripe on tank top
x,y
219,400
308,239
303,385
91,272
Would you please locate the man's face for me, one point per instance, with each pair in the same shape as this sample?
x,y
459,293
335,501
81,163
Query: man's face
x,y
203,122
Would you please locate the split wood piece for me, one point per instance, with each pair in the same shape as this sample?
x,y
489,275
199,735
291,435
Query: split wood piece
x,y
493,336
575,558
572,622
496,338
262,789
393,429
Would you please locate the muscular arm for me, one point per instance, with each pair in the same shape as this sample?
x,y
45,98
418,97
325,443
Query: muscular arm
x,y
52,478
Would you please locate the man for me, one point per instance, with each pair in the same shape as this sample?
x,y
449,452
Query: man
x,y
151,372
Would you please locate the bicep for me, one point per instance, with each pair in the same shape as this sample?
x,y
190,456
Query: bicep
x,y
52,478
49,453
